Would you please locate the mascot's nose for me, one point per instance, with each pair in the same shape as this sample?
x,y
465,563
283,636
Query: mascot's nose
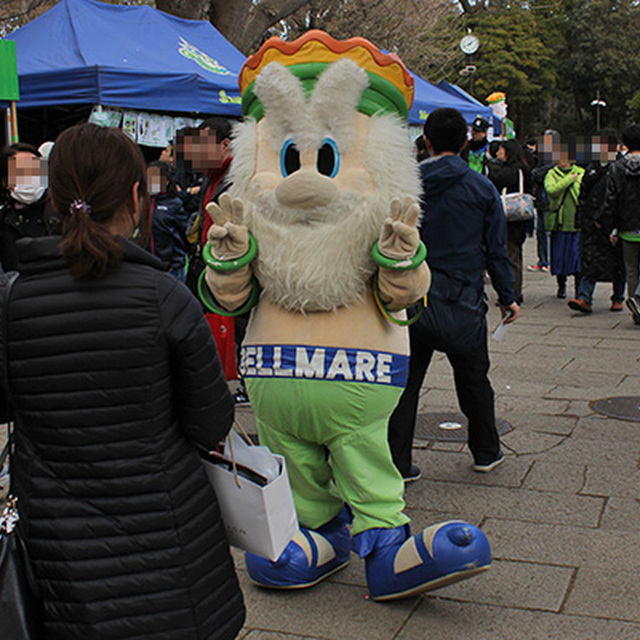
x,y
306,189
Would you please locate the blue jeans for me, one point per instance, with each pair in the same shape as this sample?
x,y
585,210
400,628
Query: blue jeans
x,y
542,240
586,288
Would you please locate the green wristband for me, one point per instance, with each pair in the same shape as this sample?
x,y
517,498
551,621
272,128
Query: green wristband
x,y
209,301
399,265
233,264
386,314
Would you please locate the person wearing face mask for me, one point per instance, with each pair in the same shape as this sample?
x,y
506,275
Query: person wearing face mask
x,y
24,209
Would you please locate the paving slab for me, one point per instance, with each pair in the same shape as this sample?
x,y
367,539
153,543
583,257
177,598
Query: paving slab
x,y
628,386
558,478
621,513
514,584
329,610
593,453
605,594
524,406
610,481
501,502
563,546
579,408
519,386
571,392
523,441
437,445
614,344
623,362
562,425
601,428
441,619
457,467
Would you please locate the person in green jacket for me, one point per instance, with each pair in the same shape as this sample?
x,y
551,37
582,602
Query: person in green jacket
x,y
562,184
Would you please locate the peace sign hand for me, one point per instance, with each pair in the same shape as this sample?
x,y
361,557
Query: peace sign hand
x,y
399,238
228,236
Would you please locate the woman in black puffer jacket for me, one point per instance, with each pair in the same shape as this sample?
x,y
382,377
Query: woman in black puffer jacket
x,y
115,383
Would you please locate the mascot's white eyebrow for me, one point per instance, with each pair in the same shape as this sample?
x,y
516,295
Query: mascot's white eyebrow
x,y
328,111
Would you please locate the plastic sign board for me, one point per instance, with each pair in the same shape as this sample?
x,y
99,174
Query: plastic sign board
x,y
8,71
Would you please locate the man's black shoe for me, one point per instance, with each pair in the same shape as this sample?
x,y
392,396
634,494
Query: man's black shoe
x,y
414,474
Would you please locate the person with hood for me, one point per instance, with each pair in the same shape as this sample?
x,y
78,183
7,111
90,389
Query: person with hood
x,y
620,213
24,211
464,228
601,261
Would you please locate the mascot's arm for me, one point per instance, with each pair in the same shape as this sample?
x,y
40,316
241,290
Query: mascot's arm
x,y
229,243
401,289
399,241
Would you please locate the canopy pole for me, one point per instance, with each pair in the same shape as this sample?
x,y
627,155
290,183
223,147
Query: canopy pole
x,y
14,123
7,125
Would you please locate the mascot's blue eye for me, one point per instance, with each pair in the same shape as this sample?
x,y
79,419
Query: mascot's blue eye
x,y
328,161
289,158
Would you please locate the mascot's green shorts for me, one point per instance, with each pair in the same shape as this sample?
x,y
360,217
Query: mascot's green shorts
x,y
330,423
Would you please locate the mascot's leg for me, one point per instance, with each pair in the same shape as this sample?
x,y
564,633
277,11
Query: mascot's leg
x,y
289,426
398,565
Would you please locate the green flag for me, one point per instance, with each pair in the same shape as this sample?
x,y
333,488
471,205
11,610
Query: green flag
x,y
8,71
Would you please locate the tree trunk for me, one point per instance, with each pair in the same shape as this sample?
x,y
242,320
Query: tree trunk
x,y
189,9
245,22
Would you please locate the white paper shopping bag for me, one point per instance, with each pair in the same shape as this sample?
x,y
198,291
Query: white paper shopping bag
x,y
259,515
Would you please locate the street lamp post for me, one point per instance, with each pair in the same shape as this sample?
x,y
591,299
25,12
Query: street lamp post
x,y
469,45
598,104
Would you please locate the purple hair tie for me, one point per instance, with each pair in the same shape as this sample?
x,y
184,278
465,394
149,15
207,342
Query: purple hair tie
x,y
80,206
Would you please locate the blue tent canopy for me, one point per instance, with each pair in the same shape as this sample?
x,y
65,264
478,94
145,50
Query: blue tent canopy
x,y
428,98
89,52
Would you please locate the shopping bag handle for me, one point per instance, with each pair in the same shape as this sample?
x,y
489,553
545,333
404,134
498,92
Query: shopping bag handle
x,y
234,466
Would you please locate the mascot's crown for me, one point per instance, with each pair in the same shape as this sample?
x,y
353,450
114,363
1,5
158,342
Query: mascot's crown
x,y
390,87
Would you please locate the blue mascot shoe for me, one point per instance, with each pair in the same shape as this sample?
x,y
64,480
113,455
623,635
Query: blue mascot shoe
x,y
311,556
399,565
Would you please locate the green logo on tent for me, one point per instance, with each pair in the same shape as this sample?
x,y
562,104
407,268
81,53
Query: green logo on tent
x,y
202,59
227,99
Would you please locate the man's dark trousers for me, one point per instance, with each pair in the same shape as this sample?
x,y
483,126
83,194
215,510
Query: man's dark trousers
x,y
474,392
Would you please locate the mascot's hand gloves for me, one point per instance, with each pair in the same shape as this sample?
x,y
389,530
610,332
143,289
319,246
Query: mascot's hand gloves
x,y
228,236
399,238
403,277
228,254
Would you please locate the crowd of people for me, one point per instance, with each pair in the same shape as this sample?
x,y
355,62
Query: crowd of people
x,y
104,242
586,196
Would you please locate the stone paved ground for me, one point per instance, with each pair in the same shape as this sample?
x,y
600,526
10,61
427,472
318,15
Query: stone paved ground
x,y
562,513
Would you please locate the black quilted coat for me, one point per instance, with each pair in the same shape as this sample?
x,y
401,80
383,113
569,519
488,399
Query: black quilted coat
x,y
115,382
601,261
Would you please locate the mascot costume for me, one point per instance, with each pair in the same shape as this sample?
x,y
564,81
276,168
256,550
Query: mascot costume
x,y
318,236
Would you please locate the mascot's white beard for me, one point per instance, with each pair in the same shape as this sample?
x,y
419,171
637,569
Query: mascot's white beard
x,y
321,263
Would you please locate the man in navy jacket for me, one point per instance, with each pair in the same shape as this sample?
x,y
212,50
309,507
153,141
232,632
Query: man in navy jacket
x,y
464,228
